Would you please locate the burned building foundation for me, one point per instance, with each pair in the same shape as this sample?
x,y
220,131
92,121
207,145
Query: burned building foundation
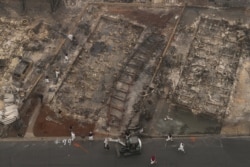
x,y
169,67
210,70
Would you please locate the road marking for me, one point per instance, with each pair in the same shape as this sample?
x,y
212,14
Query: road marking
x,y
27,145
192,139
77,145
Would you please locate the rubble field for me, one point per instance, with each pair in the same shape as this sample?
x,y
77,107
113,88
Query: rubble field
x,y
111,67
108,71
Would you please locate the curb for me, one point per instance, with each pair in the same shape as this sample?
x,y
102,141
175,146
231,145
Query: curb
x,y
96,138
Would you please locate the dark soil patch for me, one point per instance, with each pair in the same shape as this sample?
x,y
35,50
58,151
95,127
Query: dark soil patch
x,y
143,17
48,124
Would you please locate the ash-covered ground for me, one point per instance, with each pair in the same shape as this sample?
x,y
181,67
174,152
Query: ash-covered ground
x,y
107,67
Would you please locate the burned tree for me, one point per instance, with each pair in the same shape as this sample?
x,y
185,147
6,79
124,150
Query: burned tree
x,y
54,4
23,5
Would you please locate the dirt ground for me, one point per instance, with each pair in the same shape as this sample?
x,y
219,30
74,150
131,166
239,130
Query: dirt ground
x,y
48,124
51,124
158,19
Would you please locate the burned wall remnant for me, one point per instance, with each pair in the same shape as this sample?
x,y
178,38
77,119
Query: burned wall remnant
x,y
210,70
22,69
3,64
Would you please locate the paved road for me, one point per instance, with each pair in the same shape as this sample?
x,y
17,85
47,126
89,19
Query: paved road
x,y
200,152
